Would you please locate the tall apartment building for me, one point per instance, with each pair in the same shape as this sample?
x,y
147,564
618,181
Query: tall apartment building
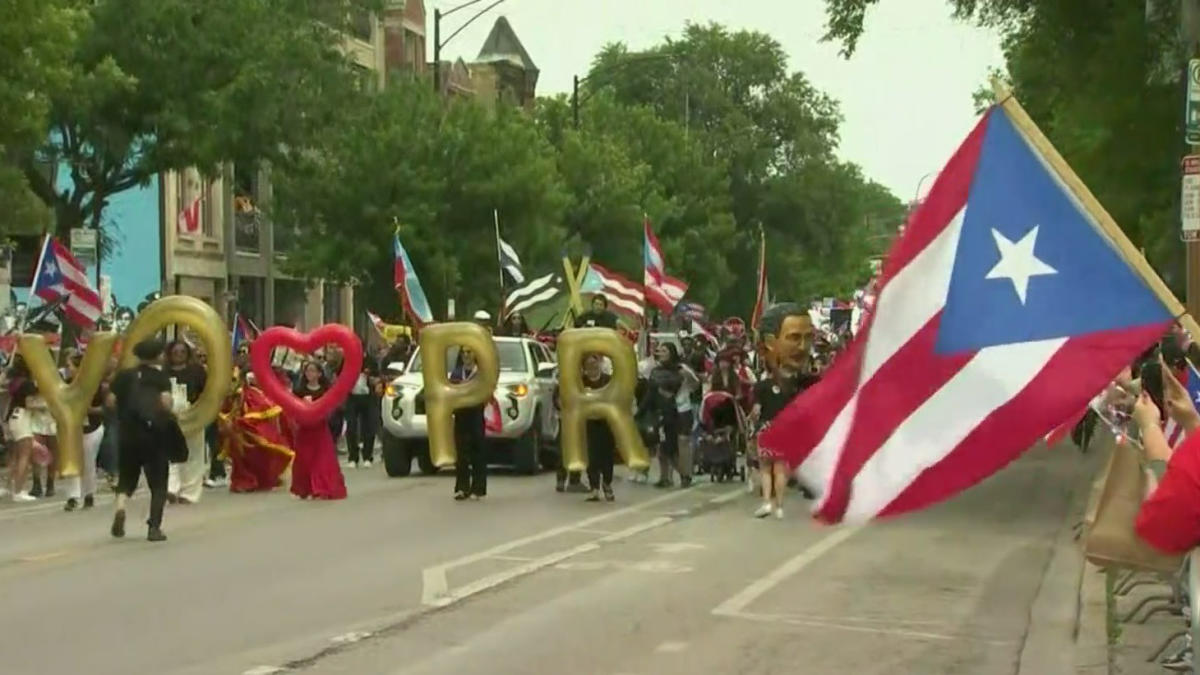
x,y
231,261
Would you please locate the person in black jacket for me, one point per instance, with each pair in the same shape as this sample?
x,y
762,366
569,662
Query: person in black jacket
x,y
601,445
362,412
471,468
599,316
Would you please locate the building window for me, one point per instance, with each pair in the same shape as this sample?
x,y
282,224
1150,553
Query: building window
x,y
365,78
290,299
246,217
331,309
361,24
251,299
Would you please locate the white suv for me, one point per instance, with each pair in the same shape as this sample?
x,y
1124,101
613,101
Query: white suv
x,y
527,395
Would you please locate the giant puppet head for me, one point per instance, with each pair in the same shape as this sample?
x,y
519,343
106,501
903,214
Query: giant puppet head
x,y
785,337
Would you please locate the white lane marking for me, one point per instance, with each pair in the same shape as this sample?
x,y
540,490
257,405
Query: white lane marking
x,y
591,530
433,579
494,580
263,670
834,625
349,638
668,548
671,647
511,558
734,606
727,497
652,566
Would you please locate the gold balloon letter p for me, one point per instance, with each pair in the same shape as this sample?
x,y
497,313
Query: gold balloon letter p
x,y
68,403
613,402
441,397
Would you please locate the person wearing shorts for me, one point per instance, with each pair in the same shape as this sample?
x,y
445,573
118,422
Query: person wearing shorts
x,y
19,427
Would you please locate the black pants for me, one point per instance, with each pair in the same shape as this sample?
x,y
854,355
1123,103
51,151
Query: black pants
x,y
362,423
600,463
136,457
212,440
470,470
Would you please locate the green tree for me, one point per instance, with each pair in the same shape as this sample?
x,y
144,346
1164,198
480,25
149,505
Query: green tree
x,y
439,169
36,40
774,136
156,85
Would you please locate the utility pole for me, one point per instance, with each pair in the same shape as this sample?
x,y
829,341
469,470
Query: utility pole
x,y
1190,33
437,50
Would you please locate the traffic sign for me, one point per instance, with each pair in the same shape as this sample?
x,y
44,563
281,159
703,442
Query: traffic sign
x,y
1192,109
1189,199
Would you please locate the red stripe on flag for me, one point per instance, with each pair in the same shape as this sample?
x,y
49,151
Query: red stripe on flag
x,y
1084,365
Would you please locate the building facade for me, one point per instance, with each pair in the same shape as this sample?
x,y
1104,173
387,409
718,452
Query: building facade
x,y
502,74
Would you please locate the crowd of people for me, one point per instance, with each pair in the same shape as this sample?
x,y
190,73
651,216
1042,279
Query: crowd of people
x,y
131,429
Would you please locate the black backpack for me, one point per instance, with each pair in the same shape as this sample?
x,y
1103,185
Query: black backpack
x,y
145,402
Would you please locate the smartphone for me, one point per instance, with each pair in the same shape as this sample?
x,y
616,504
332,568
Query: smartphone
x,y
1152,381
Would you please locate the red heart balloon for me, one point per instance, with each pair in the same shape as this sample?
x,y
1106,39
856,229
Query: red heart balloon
x,y
306,413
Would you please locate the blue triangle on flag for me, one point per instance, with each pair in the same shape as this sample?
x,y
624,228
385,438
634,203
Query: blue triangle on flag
x,y
1030,263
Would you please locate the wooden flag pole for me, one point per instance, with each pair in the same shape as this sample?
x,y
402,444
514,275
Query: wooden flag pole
x,y
575,278
1126,249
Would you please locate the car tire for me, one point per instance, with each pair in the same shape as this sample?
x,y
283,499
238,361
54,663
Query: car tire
x,y
528,448
397,460
424,461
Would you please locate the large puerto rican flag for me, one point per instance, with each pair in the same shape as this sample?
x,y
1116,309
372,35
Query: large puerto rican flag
x,y
409,286
663,291
623,295
1003,309
60,277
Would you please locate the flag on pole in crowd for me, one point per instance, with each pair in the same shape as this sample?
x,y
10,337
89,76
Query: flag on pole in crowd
x,y
692,310
1005,306
536,292
409,286
760,294
624,296
1191,381
244,331
59,276
662,290
507,255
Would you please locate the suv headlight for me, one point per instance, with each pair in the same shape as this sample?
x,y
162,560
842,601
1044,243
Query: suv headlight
x,y
519,390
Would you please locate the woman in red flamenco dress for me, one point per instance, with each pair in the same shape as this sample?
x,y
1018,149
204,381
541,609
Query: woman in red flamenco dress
x,y
252,440
315,471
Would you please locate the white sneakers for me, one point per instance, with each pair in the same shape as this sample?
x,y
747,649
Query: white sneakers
x,y
350,465
24,497
366,464
766,509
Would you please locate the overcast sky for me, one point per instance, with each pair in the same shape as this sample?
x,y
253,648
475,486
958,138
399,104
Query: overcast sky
x,y
905,95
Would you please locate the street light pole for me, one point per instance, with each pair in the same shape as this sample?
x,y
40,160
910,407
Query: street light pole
x,y
575,102
437,50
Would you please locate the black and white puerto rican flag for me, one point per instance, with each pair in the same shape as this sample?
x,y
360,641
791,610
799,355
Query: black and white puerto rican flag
x,y
510,262
534,293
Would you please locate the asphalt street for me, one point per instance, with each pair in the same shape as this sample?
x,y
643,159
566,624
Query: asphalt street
x,y
399,578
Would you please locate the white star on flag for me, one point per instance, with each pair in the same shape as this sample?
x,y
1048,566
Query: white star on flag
x,y
1017,262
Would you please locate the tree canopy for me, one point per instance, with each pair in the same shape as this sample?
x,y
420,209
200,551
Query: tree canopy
x,y
134,88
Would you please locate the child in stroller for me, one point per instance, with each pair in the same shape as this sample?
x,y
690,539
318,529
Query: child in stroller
x,y
721,436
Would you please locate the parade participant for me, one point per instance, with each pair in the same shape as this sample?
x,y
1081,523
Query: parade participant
x,y
20,387
45,433
252,439
142,396
332,366
83,486
598,316
470,470
724,377
669,394
601,445
515,325
362,413
786,332
185,482
315,470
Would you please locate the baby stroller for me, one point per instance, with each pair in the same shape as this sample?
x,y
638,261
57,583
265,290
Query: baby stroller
x,y
722,436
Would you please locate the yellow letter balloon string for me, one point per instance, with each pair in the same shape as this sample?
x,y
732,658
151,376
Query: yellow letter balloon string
x,y
68,403
441,397
612,402
208,326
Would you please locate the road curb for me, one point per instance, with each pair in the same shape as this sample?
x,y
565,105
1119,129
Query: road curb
x,y
1060,637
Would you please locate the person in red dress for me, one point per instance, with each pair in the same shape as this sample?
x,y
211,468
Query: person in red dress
x,y
252,440
315,471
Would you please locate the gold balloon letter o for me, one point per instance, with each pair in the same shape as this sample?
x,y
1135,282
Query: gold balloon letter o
x,y
613,402
195,314
68,403
441,397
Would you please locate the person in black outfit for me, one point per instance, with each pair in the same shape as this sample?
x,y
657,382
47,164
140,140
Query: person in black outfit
x,y
142,396
471,468
362,413
185,481
599,316
600,442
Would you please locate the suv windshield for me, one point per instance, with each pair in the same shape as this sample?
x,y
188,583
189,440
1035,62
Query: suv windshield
x,y
512,358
